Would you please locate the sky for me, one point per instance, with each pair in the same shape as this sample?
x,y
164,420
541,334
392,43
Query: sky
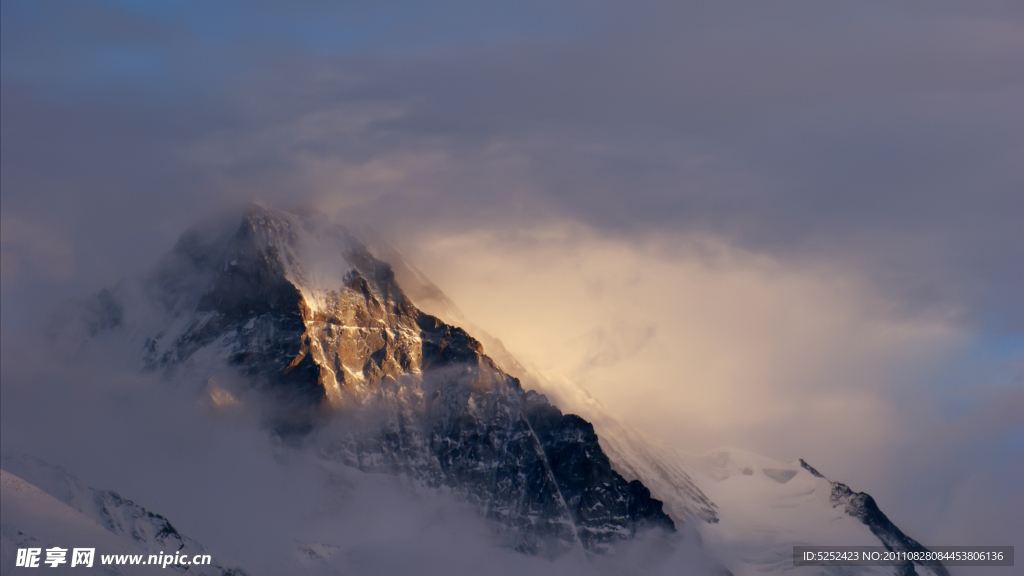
x,y
788,227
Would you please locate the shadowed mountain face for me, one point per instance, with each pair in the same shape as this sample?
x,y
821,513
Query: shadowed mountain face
x,y
320,331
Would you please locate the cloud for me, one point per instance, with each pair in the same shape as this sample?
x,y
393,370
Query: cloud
x,y
883,136
703,344
830,192
29,249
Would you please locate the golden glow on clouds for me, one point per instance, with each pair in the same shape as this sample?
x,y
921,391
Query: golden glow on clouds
x,y
693,340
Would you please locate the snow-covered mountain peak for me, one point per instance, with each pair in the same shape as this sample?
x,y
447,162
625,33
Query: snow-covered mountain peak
x,y
304,320
257,243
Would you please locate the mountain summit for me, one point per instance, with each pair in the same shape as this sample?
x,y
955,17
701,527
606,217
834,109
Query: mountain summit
x,y
318,332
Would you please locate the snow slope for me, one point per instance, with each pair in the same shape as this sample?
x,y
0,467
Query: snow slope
x,y
45,504
766,507
32,518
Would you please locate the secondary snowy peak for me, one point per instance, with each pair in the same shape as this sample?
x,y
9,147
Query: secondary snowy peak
x,y
34,519
320,336
767,506
44,506
863,507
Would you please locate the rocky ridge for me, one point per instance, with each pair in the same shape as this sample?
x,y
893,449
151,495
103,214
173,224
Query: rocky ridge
x,y
863,507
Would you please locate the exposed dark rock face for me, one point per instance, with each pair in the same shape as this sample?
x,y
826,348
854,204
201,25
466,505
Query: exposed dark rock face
x,y
586,477
863,507
321,328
